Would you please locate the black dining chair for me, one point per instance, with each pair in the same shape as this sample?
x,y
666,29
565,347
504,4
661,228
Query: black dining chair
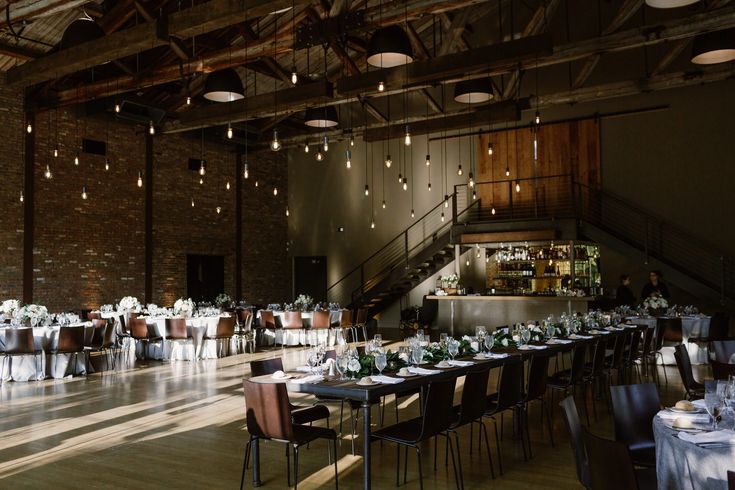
x,y
538,375
723,350
611,467
437,418
731,480
634,407
684,364
571,418
568,379
594,373
722,370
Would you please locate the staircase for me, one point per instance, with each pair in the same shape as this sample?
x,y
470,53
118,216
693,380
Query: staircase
x,y
404,262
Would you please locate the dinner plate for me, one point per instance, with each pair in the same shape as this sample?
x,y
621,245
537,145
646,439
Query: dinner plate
x,y
286,376
443,367
679,410
696,428
524,347
360,383
409,375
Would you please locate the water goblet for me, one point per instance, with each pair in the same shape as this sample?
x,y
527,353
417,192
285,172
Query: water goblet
x,y
551,330
378,339
453,348
712,402
381,361
420,335
443,338
489,342
417,355
341,365
526,335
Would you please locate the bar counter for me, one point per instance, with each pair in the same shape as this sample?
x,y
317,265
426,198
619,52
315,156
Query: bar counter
x,y
463,313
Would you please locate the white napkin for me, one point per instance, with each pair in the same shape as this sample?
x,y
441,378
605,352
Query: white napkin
x,y
461,363
699,404
389,380
669,416
314,378
580,337
537,347
714,437
558,341
307,369
424,371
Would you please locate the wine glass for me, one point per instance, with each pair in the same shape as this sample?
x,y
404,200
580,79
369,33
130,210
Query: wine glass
x,y
420,335
525,335
341,365
378,339
712,402
443,338
381,361
551,330
453,348
313,361
417,355
489,342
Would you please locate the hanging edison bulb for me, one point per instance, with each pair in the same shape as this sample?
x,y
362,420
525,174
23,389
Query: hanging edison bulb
x,y
47,173
383,204
446,201
218,209
428,159
188,102
21,196
325,144
229,131
319,156
492,211
306,147
202,167
140,178
117,107
294,78
151,128
275,191
201,181
467,262
367,190
372,224
507,171
76,159
388,161
381,86
413,215
442,216
405,184
287,212
227,185
275,144
407,137
352,140
245,171
429,186
400,177
538,118
107,163
29,128
56,151
256,183
348,159
192,202
489,148
459,169
472,180
474,196
518,186
84,192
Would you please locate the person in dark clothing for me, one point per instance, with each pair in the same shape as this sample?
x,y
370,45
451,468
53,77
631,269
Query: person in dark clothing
x,y
624,295
655,286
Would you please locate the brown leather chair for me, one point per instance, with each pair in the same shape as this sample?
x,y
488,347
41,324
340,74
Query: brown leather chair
x,y
94,338
176,331
320,321
346,323
266,321
292,320
225,331
71,341
634,407
139,332
245,329
269,417
19,342
611,467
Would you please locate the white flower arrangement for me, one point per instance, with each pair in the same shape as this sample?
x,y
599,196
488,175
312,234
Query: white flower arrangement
x,y
303,302
655,302
129,303
184,307
223,300
9,307
451,281
36,314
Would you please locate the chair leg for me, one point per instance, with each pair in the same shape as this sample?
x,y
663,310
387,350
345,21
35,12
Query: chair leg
x,y
336,472
405,463
497,445
398,465
288,464
296,467
352,422
458,476
245,459
483,428
421,473
545,407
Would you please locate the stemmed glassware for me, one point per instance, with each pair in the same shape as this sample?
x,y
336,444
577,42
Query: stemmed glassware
x,y
452,347
551,330
341,365
525,335
381,361
489,342
713,402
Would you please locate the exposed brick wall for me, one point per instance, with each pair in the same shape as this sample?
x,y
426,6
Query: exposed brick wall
x,y
91,252
11,209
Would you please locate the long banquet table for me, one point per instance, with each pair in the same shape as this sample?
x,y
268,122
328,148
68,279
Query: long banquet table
x,y
692,326
367,396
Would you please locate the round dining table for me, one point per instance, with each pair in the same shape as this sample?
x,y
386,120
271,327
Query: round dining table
x,y
682,465
199,347
301,337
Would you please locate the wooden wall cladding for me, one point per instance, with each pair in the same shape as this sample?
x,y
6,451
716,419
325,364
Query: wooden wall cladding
x,y
566,148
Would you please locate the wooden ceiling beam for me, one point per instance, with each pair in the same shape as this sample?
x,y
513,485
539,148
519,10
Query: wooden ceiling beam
x,y
625,12
19,52
31,9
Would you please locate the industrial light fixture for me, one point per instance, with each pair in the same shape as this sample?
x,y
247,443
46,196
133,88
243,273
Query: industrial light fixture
x,y
367,190
325,143
21,196
472,180
407,138
245,171
287,213
489,148
188,102
446,201
429,186
140,178
151,128
507,171
275,144
29,128
383,204
224,86
389,47
47,173
202,167
474,196
405,183
714,47
442,216
294,78
256,183
492,211
227,185
352,140
201,181
321,117
319,155
372,225
192,202
389,162
107,163
76,158
56,151
275,191
518,186
306,147
229,131
537,120
474,91
413,215
400,177
218,209
117,107
348,159
381,86
459,169
428,159
84,192
669,4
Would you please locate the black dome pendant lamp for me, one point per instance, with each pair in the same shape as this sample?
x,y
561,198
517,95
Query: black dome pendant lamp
x,y
321,117
224,86
388,47
474,91
714,47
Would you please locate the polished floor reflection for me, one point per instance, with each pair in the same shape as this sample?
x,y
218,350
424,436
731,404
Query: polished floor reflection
x,y
181,425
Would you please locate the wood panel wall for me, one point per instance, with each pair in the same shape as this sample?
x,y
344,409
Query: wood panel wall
x,y
566,148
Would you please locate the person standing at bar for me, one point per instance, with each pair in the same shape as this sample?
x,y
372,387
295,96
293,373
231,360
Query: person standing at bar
x,y
655,286
624,295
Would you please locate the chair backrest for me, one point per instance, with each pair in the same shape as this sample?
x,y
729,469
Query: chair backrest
x,y
610,465
510,389
266,319
245,318
723,349
19,341
292,319
362,315
474,395
71,339
731,480
634,407
226,326
719,326
108,338
438,412
571,418
320,320
684,364
647,341
620,342
538,374
93,315
138,328
346,318
635,340
661,325
579,357
176,329
722,370
123,328
265,366
268,413
98,333
672,329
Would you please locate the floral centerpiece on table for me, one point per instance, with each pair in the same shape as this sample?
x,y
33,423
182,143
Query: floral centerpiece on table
x,y
184,307
303,302
503,340
223,301
129,303
9,307
363,366
33,314
450,283
154,310
655,304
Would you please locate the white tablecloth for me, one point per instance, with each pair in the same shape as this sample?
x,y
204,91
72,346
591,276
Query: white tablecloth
x,y
27,368
299,337
691,326
197,348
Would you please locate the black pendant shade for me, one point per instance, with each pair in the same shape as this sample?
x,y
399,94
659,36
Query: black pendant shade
x,y
321,117
223,86
389,47
669,4
473,91
714,47
80,31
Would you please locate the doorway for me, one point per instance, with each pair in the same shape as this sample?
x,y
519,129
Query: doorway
x,y
310,277
205,276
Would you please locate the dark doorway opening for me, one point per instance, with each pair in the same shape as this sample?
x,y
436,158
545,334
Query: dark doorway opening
x,y
310,277
205,276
